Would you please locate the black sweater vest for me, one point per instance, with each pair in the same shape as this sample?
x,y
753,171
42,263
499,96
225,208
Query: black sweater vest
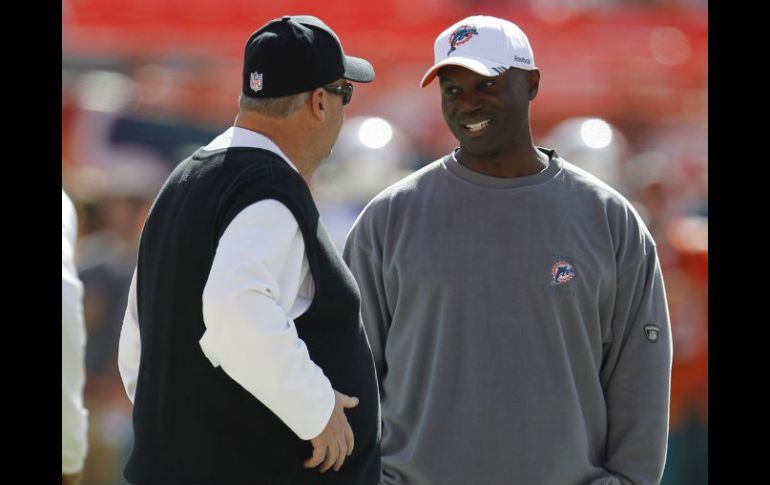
x,y
193,424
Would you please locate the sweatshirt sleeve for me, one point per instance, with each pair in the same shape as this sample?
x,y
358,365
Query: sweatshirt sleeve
x,y
366,266
636,373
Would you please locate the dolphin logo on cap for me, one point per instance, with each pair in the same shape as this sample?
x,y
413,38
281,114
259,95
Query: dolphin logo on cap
x,y
463,34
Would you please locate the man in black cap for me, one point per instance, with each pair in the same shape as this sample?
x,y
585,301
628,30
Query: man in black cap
x,y
242,347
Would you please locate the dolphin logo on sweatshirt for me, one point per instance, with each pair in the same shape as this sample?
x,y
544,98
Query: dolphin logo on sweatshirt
x,y
562,272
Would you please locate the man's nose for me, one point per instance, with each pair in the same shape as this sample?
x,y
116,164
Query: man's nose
x,y
469,101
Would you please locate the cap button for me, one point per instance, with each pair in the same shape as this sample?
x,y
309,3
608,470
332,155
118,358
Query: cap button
x,y
286,18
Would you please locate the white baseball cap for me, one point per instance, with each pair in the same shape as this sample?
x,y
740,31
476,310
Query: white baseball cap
x,y
486,45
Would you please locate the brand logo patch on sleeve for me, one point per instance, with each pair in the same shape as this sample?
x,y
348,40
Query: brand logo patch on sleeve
x,y
652,332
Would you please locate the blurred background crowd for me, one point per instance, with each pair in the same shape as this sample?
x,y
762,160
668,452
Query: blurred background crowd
x,y
623,94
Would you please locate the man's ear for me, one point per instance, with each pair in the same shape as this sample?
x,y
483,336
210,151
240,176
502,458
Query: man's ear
x,y
318,100
534,83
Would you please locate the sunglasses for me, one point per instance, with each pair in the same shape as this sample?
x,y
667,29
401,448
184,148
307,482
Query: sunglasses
x,y
346,91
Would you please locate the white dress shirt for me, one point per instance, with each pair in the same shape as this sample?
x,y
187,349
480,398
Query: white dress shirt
x,y
260,281
74,416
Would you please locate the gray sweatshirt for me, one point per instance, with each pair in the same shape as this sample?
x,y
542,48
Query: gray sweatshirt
x,y
519,328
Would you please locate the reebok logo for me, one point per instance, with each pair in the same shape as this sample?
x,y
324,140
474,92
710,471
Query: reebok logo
x,y
522,59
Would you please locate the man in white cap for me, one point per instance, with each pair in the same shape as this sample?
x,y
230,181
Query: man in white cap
x,y
514,302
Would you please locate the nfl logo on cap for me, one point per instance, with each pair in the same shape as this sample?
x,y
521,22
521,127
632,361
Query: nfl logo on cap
x,y
256,81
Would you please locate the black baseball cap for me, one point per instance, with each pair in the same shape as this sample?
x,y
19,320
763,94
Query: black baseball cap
x,y
295,54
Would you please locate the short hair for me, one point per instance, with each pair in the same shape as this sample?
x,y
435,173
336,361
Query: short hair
x,y
278,107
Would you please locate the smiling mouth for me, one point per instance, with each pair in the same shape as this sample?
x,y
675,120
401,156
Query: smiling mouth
x,y
475,127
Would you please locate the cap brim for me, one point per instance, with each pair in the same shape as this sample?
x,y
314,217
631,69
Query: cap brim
x,y
475,65
357,69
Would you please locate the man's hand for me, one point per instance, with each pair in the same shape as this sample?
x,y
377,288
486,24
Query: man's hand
x,y
336,440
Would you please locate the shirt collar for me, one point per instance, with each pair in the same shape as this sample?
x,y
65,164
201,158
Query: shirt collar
x,y
236,136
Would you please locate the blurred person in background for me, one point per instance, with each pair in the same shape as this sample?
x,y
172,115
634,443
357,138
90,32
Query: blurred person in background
x,y
370,154
686,272
115,198
514,302
74,416
592,144
242,347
